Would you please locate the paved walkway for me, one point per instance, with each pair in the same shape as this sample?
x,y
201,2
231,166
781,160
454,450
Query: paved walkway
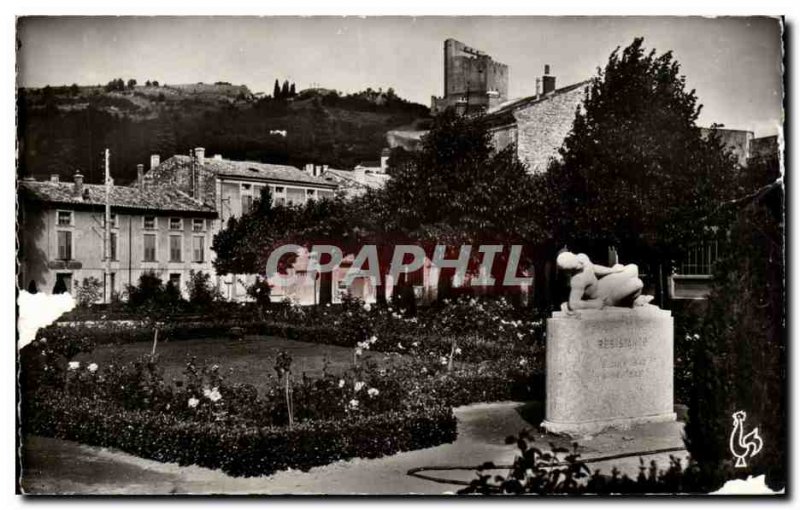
x,y
56,466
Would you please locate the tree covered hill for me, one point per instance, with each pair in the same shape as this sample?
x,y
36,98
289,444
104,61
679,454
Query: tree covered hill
x,y
64,129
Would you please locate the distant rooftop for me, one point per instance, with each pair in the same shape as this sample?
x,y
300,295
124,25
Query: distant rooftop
x,y
151,199
254,170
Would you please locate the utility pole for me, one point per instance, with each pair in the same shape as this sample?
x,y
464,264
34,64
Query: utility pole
x,y
107,233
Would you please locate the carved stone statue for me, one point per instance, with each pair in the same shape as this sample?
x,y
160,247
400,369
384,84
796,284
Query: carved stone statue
x,y
593,286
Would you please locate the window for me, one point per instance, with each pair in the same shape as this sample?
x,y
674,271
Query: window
x,y
64,245
247,203
175,224
113,286
149,222
295,196
700,259
175,280
310,193
64,218
198,225
63,281
112,242
175,248
198,248
149,247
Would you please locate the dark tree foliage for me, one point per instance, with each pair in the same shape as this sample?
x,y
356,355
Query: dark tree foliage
x,y
276,90
244,245
740,362
149,289
202,292
458,188
55,137
285,89
636,173
292,90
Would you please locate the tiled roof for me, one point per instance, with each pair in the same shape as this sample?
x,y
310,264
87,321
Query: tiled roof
x,y
255,170
155,199
509,106
368,179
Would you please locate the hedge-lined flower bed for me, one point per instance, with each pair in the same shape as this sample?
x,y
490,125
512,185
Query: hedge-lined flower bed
x,y
469,352
476,330
239,450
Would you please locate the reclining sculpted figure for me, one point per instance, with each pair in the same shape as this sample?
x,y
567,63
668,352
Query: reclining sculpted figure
x,y
593,286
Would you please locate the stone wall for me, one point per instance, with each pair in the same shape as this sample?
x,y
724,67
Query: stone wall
x,y
542,127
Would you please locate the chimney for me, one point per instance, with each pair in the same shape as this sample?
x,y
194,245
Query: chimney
x,y
309,168
54,178
548,82
78,184
324,169
200,154
317,171
217,157
140,176
155,160
385,153
198,185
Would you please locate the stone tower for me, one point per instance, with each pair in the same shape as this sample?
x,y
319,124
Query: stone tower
x,y
473,82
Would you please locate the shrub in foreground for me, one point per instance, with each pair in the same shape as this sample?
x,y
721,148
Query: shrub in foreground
x,y
239,450
560,471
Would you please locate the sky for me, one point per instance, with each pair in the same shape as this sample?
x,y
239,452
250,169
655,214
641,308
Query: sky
x,y
733,63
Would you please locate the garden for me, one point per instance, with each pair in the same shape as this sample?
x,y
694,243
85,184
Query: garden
x,y
250,392
236,387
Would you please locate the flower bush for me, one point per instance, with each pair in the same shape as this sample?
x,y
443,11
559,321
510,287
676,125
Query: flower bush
x,y
559,471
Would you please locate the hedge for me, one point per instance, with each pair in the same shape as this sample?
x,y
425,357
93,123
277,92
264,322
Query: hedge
x,y
237,449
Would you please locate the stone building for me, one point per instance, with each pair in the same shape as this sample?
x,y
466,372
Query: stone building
x,y
537,124
230,188
153,229
473,81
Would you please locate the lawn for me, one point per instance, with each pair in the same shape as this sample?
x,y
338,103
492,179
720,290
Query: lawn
x,y
251,360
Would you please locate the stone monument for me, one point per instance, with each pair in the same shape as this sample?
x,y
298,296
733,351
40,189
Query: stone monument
x,y
609,353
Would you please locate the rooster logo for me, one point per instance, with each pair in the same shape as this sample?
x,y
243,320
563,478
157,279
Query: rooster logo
x,y
743,445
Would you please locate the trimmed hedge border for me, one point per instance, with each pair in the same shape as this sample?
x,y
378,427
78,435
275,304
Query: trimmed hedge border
x,y
240,450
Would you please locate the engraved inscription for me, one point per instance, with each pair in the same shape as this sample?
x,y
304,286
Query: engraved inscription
x,y
622,368
621,343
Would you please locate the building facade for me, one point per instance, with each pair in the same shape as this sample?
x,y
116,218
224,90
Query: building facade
x,y
62,235
230,188
537,125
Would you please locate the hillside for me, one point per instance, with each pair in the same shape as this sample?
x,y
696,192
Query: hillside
x,y
62,129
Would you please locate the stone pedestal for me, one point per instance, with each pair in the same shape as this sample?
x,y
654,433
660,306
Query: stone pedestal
x,y
609,368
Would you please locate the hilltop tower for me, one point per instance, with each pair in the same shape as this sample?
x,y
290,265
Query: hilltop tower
x,y
473,81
